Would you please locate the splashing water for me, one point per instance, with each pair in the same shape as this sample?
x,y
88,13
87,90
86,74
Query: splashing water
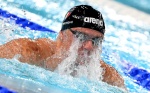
x,y
114,33
80,66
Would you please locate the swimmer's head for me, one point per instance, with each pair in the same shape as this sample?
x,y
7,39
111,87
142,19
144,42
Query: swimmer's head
x,y
84,16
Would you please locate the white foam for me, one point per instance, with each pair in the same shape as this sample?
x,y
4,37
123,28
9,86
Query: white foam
x,y
90,69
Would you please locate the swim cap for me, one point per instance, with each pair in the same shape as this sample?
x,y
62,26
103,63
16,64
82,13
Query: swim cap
x,y
84,16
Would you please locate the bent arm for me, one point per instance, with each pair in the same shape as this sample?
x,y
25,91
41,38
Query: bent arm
x,y
30,51
10,49
26,48
111,76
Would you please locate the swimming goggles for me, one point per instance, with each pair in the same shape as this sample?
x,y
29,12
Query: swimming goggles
x,y
84,37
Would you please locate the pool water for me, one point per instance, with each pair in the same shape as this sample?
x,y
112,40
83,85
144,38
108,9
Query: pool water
x,y
140,5
126,40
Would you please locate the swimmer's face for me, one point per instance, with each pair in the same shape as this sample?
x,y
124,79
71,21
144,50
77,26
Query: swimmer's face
x,y
89,39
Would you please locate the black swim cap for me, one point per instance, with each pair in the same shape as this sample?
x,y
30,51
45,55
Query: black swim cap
x,y
84,16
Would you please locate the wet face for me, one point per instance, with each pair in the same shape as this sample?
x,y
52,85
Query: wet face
x,y
90,40
83,49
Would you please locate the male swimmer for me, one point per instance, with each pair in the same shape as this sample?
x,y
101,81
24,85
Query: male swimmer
x,y
83,25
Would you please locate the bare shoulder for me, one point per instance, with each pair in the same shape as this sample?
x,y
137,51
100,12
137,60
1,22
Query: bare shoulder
x,y
16,46
31,51
46,41
46,44
111,76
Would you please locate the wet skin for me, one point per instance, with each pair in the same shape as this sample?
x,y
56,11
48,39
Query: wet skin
x,y
48,54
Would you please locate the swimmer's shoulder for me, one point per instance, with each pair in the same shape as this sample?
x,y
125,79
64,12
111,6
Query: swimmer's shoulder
x,y
46,44
42,46
45,41
111,76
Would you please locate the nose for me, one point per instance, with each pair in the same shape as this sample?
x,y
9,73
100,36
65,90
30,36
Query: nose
x,y
88,45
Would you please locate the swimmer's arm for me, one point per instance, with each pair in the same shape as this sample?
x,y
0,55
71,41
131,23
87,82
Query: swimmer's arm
x,y
111,76
29,51
24,49
10,49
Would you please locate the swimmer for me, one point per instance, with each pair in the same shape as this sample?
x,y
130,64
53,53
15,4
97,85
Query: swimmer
x,y
81,23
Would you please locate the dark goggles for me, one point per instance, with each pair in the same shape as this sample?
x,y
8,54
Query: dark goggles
x,y
83,37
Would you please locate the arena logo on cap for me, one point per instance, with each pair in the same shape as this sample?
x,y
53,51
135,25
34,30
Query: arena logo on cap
x,y
93,20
